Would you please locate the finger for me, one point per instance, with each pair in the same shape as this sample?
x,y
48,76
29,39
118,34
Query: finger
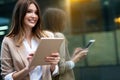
x,y
55,55
29,58
31,54
84,51
76,49
52,58
53,62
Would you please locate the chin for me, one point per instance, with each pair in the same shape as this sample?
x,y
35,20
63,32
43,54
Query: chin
x,y
31,25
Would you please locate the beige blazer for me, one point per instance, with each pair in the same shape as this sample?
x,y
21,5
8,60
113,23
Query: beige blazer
x,y
13,58
64,72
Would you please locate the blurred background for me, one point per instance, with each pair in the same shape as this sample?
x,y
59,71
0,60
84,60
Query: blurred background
x,y
87,19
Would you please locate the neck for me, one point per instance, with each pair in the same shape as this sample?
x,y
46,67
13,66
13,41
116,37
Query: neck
x,y
28,37
28,34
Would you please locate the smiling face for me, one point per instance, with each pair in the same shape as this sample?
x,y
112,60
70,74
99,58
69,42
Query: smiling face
x,y
31,16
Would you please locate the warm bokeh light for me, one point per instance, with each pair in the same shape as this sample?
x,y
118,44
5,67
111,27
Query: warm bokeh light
x,y
67,3
74,1
68,10
117,20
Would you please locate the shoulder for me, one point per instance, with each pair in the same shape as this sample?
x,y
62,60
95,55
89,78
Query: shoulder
x,y
58,34
48,33
5,42
6,39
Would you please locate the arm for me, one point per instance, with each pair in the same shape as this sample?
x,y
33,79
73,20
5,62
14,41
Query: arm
x,y
66,63
6,60
7,63
21,74
64,55
65,59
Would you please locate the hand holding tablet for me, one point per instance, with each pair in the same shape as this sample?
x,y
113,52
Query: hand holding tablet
x,y
45,48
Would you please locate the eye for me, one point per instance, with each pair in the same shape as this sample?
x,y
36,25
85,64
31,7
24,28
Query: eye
x,y
36,12
29,11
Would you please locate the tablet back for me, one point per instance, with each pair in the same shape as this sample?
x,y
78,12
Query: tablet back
x,y
45,48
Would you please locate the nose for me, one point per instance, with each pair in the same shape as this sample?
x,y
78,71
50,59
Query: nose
x,y
34,15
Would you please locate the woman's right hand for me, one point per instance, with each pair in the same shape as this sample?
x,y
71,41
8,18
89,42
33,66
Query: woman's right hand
x,y
29,58
53,59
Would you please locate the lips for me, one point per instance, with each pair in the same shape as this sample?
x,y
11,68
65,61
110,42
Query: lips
x,y
32,21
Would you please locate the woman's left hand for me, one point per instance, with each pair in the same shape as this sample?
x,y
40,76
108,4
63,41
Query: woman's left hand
x,y
53,59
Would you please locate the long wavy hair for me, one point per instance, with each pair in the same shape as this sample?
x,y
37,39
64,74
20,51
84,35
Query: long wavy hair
x,y
17,30
54,19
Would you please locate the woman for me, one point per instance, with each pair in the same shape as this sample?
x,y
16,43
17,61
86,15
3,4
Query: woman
x,y
19,45
55,20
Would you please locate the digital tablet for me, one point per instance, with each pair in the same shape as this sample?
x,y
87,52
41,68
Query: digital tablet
x,y
45,48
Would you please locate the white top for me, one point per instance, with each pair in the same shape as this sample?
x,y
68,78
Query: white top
x,y
35,74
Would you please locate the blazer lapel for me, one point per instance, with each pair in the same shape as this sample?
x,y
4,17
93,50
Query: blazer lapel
x,y
22,52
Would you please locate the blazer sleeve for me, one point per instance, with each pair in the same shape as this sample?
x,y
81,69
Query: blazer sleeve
x,y
64,55
6,60
48,33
